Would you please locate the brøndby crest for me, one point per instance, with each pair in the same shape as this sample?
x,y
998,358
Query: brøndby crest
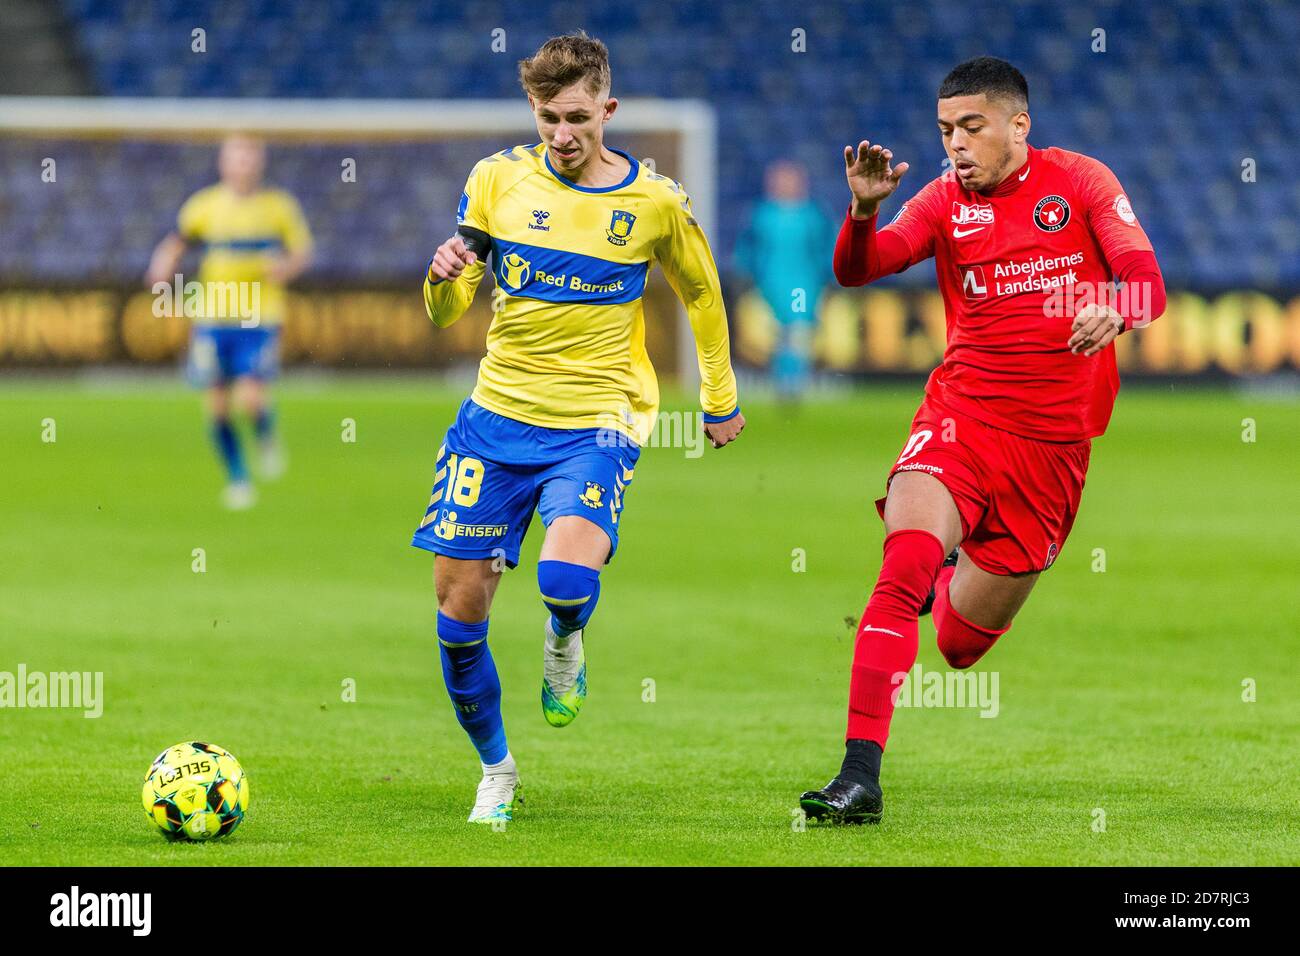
x,y
620,227
592,496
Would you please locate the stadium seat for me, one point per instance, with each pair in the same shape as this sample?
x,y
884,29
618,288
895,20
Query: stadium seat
x,y
1165,77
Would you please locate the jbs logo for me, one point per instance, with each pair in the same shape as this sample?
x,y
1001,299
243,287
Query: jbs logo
x,y
978,212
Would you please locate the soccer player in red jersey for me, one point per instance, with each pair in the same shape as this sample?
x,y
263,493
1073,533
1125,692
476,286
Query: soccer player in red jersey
x,y
1041,264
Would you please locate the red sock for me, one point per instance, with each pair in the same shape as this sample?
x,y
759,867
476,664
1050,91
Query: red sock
x,y
961,642
941,584
887,637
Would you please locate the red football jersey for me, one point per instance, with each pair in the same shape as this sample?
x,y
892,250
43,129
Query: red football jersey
x,y
1061,219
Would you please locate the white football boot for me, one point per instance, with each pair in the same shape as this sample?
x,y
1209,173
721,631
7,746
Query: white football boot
x,y
239,496
272,460
499,793
564,677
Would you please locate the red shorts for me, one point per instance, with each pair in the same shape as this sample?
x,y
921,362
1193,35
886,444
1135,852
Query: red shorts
x,y
1017,497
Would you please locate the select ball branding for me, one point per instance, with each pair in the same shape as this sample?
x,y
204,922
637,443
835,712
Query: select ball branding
x,y
166,774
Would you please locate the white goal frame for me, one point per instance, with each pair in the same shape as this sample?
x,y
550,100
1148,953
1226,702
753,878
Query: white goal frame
x,y
199,118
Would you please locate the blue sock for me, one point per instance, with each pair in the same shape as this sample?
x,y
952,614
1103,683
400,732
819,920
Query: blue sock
x,y
570,593
473,685
263,422
227,442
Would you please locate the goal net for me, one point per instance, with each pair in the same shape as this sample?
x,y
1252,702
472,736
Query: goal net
x,y
90,185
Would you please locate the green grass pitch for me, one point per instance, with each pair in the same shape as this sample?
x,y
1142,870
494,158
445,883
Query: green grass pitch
x,y
1121,692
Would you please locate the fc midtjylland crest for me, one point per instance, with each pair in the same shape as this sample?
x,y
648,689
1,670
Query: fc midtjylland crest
x,y
620,227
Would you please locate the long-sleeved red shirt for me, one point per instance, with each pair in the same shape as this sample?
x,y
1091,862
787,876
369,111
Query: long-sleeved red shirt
x,y
1014,265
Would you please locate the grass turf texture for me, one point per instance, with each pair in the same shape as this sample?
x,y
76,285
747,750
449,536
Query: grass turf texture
x,y
1120,691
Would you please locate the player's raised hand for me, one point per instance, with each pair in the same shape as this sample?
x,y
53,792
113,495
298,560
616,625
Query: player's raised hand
x,y
723,433
1095,326
871,179
451,259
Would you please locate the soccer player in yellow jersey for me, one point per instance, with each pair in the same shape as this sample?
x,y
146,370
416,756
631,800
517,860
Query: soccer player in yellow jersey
x,y
566,393
255,241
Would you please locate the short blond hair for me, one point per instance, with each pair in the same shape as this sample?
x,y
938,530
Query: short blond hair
x,y
562,61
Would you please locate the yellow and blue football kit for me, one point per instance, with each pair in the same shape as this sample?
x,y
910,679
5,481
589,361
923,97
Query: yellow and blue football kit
x,y
237,319
565,396
566,392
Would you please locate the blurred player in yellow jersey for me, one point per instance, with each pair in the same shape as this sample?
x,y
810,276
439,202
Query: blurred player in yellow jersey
x,y
566,393
255,241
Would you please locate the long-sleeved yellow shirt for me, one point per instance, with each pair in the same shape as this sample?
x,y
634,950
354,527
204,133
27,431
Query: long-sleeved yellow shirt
x,y
566,348
240,234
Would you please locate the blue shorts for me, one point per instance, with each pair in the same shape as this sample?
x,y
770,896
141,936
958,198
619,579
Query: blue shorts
x,y
493,472
220,353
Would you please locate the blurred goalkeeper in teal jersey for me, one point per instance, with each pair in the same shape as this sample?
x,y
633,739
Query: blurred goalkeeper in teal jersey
x,y
786,250
255,240
566,393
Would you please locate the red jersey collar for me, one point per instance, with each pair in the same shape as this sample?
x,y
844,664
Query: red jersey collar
x,y
1017,178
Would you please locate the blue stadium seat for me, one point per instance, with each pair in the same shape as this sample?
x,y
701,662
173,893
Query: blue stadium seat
x,y
1169,74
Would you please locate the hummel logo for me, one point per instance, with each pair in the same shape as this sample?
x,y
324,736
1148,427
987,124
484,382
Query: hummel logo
x,y
959,233
882,630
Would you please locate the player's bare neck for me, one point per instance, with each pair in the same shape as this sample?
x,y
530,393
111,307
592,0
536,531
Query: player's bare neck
x,y
607,168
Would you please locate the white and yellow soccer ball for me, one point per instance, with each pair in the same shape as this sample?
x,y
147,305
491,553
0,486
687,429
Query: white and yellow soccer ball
x,y
195,791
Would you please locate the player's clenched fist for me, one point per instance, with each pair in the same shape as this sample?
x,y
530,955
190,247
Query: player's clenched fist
x,y
451,259
723,433
870,177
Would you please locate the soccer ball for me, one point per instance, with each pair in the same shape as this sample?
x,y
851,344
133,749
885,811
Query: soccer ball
x,y
195,791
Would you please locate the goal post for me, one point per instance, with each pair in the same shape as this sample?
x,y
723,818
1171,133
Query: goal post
x,y
686,127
